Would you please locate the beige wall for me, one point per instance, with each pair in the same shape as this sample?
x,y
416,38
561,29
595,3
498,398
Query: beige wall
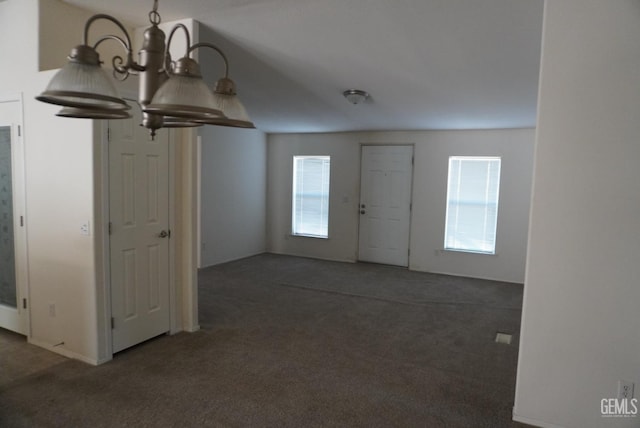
x,y
233,190
61,27
59,190
233,181
432,150
60,198
580,319
19,41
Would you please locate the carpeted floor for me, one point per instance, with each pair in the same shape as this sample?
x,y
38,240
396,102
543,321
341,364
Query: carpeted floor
x,y
294,342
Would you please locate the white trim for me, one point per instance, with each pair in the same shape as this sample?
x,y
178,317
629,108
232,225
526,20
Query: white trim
x,y
451,220
61,350
19,192
328,259
257,253
174,302
10,316
189,229
199,201
295,200
8,97
487,278
192,329
305,235
535,422
106,259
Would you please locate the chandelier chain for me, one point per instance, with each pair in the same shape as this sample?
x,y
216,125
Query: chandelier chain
x,y
154,16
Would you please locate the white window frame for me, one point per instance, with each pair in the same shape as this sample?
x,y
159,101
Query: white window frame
x,y
488,222
295,225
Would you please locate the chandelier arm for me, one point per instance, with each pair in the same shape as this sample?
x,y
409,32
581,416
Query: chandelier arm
x,y
94,18
215,48
126,43
167,52
120,71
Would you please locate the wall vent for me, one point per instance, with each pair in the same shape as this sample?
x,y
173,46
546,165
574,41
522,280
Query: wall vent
x,y
504,338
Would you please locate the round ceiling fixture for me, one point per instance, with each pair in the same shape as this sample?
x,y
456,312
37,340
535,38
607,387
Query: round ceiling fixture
x,y
356,96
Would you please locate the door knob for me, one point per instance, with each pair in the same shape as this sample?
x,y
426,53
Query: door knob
x,y
362,211
163,234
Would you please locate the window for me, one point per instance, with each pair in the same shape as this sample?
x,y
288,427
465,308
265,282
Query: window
x,y
311,196
472,204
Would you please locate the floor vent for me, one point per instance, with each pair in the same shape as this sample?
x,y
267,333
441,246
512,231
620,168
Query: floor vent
x,y
504,338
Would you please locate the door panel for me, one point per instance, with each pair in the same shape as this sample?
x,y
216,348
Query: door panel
x,y
139,212
13,271
385,204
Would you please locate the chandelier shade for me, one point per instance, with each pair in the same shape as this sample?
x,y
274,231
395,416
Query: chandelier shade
x,y
178,122
230,105
235,114
92,113
185,94
82,83
231,123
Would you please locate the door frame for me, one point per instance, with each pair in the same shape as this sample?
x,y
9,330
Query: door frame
x,y
20,190
104,321
413,146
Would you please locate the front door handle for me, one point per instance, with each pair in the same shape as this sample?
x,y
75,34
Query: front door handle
x,y
163,234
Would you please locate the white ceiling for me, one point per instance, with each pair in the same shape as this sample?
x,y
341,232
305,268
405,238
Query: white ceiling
x,y
428,64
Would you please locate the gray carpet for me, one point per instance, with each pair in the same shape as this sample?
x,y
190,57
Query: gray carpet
x,y
294,342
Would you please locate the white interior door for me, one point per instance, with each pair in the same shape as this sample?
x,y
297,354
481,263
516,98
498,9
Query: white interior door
x,y
13,253
139,239
385,204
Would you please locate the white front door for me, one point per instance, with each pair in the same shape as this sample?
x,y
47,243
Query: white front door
x,y
385,204
13,253
139,239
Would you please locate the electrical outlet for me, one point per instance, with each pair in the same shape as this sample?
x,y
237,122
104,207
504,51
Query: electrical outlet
x,y
85,229
625,389
52,310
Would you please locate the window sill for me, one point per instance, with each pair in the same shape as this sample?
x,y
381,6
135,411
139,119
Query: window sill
x,y
442,251
308,236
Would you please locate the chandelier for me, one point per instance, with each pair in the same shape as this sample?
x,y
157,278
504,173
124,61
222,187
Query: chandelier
x,y
171,94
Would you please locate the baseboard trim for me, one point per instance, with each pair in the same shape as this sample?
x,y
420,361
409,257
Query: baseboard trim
x,y
410,267
192,329
60,350
534,422
487,278
104,360
305,256
233,259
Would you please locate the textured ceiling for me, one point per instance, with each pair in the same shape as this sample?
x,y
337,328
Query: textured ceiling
x,y
428,64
